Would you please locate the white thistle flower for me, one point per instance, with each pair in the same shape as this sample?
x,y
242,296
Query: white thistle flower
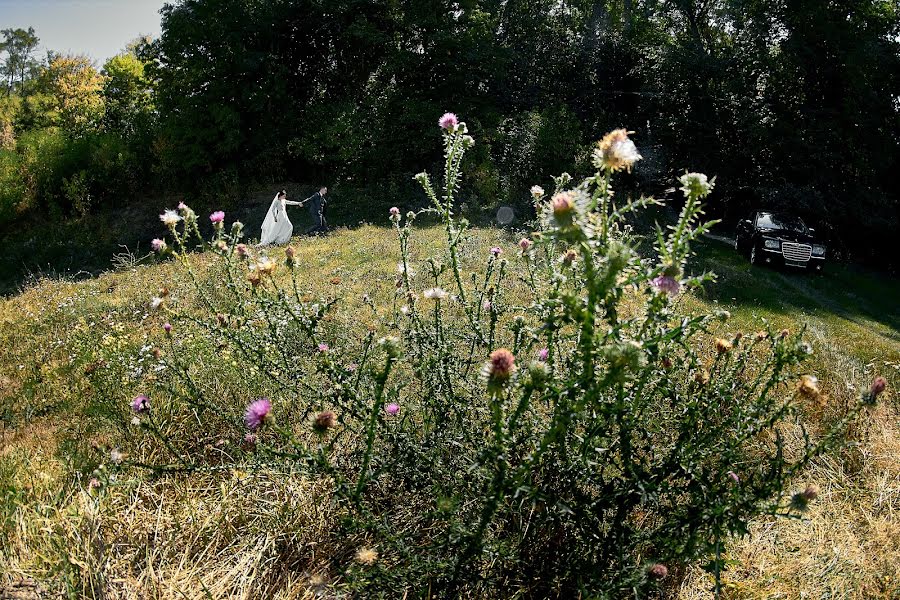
x,y
696,184
170,218
156,302
537,192
115,456
436,293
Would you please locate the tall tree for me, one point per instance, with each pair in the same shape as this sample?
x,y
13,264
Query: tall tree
x,y
18,45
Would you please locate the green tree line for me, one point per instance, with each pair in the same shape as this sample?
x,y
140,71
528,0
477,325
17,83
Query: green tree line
x,y
793,104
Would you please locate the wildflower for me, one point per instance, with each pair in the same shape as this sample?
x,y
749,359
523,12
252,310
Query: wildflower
x,y
249,441
136,421
404,309
785,333
158,245
667,362
421,178
723,345
236,228
448,121
496,251
734,477
702,377
696,184
616,151
170,218
257,413
366,556
658,571
140,404
809,387
761,335
500,367
436,293
738,336
94,484
800,501
156,302
537,192
878,386
525,244
629,354
391,346
265,266
167,327
254,278
221,245
289,254
468,141
323,347
324,421
222,319
543,354
242,251
115,456
568,258
487,306
217,218
562,206
666,285
392,409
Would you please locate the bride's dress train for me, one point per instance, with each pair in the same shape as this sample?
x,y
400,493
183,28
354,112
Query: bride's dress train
x,y
277,227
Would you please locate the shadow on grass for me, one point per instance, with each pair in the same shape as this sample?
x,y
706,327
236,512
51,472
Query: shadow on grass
x,y
850,292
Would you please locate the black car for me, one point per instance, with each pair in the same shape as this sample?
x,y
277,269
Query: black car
x,y
779,239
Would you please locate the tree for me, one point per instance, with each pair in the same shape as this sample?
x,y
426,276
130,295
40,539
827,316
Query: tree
x,y
76,87
127,93
19,45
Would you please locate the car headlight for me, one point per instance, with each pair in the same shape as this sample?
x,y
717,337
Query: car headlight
x,y
772,244
818,250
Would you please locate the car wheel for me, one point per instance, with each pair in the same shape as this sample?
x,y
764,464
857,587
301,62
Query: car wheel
x,y
753,255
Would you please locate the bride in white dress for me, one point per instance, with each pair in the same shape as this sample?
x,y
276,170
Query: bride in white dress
x,y
277,228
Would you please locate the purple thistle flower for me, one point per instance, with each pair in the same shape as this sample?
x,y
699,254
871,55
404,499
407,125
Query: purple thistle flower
x,y
525,244
543,354
448,121
392,409
167,327
496,251
258,412
140,404
217,217
158,245
667,285
323,347
394,212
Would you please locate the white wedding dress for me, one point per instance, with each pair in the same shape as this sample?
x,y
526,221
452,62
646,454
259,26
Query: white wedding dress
x,y
277,228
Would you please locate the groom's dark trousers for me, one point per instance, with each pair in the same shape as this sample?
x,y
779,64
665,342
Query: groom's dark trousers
x,y
317,206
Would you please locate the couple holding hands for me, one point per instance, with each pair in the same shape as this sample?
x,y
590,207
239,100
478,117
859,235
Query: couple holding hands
x,y
277,228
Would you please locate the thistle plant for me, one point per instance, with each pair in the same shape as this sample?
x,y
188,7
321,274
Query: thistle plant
x,y
584,437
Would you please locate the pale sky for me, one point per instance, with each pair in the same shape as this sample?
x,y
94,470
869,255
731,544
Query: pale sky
x,y
98,28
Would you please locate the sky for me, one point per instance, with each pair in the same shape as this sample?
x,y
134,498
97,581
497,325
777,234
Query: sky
x,y
98,28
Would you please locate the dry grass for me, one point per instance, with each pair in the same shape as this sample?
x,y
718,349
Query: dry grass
x,y
228,534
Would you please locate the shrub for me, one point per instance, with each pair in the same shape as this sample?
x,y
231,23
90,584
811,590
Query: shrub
x,y
566,431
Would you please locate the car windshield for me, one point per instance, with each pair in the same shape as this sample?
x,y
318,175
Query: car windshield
x,y
784,222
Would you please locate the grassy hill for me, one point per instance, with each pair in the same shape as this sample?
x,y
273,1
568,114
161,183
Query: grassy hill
x,y
230,533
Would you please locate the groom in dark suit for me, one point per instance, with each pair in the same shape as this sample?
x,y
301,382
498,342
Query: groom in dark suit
x,y
317,205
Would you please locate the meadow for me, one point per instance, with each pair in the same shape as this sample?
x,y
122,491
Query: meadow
x,y
230,532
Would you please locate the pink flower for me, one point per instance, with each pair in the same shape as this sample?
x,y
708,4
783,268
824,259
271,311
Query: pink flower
x,y
487,305
543,354
501,365
258,412
392,409
734,477
167,327
525,244
496,251
323,347
217,217
158,245
140,404
878,386
667,285
394,212
658,571
562,204
448,121
242,250
182,206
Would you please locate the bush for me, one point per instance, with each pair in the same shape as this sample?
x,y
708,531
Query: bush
x,y
567,434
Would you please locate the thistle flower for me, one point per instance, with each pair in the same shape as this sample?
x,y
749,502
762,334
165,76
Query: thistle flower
x,y
734,477
666,285
158,245
236,228
265,266
116,457
436,293
170,218
221,245
761,335
525,244
289,254
242,251
217,218
616,151
543,354
140,404
324,421
468,141
487,305
394,214
366,556
809,387
800,501
878,386
448,121
496,251
563,206
499,368
723,345
249,441
537,192
392,409
702,376
167,327
658,571
568,258
93,484
156,302
696,184
323,347
257,413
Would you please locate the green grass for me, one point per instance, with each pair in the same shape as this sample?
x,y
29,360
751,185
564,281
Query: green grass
x,y
175,537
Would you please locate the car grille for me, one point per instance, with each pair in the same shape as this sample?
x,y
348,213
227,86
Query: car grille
x,y
796,252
